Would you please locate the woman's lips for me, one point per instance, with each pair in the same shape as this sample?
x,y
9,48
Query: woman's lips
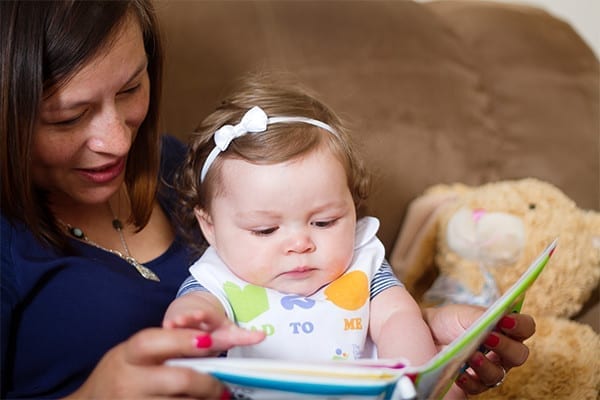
x,y
105,173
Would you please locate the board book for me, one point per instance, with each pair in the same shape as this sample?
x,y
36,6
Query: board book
x,y
365,379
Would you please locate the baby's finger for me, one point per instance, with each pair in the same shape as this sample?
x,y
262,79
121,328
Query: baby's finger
x,y
233,335
183,321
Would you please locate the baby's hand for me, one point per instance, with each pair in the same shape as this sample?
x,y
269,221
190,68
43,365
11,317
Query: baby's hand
x,y
222,334
199,310
193,320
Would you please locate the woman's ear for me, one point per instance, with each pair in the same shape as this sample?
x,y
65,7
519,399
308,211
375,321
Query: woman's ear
x,y
206,225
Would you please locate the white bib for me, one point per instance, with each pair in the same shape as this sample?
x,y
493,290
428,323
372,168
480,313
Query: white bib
x,y
332,323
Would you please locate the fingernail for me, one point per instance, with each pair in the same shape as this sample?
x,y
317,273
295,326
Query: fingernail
x,y
477,361
492,340
507,323
226,395
203,341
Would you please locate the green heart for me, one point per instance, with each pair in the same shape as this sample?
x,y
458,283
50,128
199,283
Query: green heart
x,y
247,303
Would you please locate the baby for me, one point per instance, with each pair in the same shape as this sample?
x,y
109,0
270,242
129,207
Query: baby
x,y
274,184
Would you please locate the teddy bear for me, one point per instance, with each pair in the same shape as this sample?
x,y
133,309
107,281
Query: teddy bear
x,y
469,244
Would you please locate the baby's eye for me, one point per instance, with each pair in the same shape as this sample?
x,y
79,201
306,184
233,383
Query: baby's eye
x,y
264,232
324,224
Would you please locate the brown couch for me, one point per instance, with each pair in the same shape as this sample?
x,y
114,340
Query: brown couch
x,y
449,91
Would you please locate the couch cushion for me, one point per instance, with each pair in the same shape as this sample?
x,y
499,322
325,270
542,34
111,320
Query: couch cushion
x,y
543,82
428,99
391,69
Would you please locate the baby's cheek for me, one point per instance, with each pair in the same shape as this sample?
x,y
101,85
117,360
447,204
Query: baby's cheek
x,y
251,272
338,265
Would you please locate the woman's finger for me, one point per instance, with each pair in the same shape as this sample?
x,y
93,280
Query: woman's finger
x,y
155,345
448,322
488,372
510,353
232,335
517,326
482,374
136,369
174,381
470,384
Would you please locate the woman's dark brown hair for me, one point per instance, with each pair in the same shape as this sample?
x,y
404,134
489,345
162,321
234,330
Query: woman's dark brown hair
x,y
42,45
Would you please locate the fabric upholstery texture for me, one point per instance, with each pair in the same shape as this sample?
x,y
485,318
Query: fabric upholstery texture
x,y
437,92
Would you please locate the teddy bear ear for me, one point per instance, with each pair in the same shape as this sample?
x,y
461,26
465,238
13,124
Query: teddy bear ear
x,y
493,238
440,189
412,254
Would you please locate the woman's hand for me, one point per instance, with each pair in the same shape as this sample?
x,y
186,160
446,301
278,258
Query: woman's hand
x,y
201,310
135,368
506,348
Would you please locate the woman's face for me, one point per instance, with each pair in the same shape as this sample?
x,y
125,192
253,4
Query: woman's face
x,y
86,128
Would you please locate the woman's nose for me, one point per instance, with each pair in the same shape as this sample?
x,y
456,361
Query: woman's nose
x,y
110,134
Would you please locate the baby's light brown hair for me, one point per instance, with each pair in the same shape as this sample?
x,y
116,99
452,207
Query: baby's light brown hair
x,y
280,142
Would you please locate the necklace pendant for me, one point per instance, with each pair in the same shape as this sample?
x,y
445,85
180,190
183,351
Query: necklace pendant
x,y
76,232
117,224
144,271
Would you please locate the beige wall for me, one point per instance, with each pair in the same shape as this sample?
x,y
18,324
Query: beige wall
x,y
583,15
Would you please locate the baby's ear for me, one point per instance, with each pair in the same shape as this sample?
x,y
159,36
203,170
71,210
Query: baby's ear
x,y
206,225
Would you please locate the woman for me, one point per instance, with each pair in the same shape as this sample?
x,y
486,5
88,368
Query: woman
x,y
90,260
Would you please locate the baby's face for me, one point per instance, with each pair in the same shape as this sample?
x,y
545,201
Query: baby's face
x,y
287,226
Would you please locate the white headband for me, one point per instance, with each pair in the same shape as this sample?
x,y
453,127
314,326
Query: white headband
x,y
255,120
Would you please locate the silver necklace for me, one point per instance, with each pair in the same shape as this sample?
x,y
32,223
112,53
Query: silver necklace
x,y
118,226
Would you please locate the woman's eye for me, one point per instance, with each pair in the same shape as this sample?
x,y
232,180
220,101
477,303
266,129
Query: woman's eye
x,y
324,224
131,89
69,121
264,232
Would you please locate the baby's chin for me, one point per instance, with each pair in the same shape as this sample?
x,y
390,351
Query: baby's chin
x,y
298,288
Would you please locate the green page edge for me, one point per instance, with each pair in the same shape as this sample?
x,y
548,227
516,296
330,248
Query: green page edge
x,y
510,301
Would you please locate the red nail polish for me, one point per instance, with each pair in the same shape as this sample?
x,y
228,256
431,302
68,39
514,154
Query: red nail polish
x,y
492,340
203,341
226,394
507,323
477,361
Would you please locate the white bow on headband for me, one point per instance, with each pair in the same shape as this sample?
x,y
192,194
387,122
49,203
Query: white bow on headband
x,y
254,120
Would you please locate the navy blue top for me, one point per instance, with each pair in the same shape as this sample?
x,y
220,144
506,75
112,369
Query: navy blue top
x,y
60,314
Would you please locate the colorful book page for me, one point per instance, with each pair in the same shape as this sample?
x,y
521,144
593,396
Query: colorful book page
x,y
365,379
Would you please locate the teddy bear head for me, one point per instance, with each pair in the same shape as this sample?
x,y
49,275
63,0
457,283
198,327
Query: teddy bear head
x,y
489,234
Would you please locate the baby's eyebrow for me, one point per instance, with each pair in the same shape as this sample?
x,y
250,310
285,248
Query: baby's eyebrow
x,y
256,214
329,207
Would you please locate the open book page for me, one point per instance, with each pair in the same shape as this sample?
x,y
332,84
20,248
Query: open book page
x,y
278,379
365,379
435,377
